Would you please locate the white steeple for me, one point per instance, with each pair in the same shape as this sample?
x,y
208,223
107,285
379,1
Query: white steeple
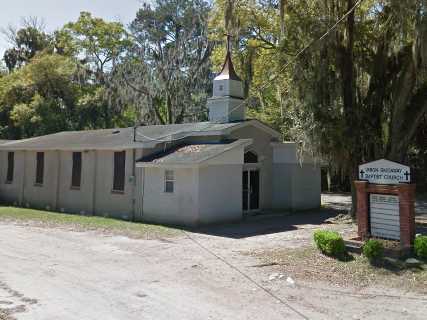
x,y
227,105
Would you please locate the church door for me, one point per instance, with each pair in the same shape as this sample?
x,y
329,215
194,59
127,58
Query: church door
x,y
250,194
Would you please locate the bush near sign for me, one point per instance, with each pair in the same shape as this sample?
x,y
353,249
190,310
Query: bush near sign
x,y
384,172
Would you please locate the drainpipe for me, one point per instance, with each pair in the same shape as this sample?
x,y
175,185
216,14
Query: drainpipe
x,y
133,183
22,202
95,166
58,174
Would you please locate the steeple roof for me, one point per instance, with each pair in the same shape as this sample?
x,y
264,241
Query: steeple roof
x,y
227,71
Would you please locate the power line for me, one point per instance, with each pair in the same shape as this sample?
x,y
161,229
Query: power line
x,y
274,77
301,52
280,300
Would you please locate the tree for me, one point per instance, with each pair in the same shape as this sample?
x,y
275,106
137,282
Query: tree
x,y
100,43
357,95
39,98
166,73
26,41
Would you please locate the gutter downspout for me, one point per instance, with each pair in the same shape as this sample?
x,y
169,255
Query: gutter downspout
x,y
58,173
22,202
133,183
95,167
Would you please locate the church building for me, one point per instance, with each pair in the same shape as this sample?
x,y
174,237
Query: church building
x,y
182,174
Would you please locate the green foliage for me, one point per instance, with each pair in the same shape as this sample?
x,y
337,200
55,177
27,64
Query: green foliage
x,y
373,250
330,243
132,229
28,41
59,82
101,43
420,247
337,99
166,74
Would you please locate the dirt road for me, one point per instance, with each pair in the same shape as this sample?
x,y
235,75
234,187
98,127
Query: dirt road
x,y
60,274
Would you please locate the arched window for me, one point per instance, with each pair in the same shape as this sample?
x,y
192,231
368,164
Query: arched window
x,y
251,157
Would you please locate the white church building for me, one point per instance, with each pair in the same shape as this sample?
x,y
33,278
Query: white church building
x,y
182,174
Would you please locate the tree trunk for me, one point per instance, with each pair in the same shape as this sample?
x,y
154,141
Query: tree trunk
x,y
169,109
282,19
346,52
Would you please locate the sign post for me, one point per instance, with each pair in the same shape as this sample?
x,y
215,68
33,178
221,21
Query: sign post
x,y
385,202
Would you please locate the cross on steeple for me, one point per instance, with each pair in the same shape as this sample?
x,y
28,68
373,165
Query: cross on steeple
x,y
228,42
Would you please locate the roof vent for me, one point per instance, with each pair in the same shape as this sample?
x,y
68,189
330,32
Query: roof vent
x,y
116,131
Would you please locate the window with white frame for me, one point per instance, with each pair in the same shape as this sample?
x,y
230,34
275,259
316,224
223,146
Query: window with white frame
x,y
169,181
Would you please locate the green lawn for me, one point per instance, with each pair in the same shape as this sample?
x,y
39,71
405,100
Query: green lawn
x,y
308,264
82,223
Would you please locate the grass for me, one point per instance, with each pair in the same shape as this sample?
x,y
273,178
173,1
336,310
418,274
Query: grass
x,y
84,223
308,264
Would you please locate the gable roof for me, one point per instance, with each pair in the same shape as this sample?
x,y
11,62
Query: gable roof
x,y
191,154
3,141
123,138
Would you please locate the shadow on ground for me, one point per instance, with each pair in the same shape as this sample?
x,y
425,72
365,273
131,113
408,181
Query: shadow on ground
x,y
267,224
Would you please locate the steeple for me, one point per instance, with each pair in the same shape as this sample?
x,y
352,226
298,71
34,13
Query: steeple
x,y
227,105
227,71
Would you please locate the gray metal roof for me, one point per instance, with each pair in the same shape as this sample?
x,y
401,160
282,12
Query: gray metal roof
x,y
3,141
120,138
189,154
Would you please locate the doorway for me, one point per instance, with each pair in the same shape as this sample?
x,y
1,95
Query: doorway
x,y
250,195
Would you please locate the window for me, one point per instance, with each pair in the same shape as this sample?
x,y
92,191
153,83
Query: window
x,y
119,171
76,176
40,168
169,181
10,166
251,157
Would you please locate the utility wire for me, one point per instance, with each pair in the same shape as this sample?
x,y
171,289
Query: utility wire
x,y
277,298
272,78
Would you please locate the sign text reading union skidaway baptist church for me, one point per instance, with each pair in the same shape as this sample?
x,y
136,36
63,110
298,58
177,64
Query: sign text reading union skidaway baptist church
x,y
384,172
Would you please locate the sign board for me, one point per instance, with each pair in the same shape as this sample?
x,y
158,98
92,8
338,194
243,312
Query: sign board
x,y
385,218
384,172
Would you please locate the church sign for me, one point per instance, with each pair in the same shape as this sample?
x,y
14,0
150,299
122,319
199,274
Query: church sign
x,y
384,172
385,202
384,216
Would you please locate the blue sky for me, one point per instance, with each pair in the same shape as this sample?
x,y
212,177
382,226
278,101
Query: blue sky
x,y
58,12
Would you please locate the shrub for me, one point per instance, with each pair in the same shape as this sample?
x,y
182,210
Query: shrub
x,y
420,247
373,250
330,243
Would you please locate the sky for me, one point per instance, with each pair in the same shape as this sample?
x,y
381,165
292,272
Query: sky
x,y
56,13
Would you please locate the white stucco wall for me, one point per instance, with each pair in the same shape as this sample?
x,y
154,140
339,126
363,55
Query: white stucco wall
x,y
107,202
261,146
43,196
296,184
11,192
76,200
179,207
95,195
220,193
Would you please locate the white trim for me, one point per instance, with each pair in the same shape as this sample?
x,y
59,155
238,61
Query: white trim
x,y
166,180
258,124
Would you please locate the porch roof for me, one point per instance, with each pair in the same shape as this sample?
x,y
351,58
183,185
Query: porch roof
x,y
191,154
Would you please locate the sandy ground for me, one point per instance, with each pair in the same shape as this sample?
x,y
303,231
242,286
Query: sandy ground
x,y
59,274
